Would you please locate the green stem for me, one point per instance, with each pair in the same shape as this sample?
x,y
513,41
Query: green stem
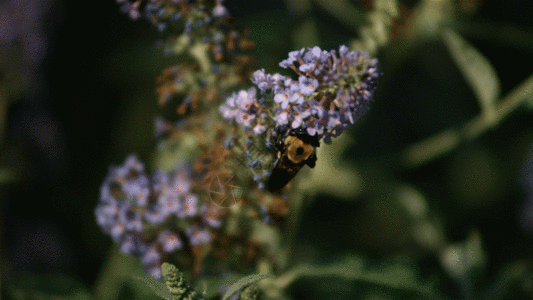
x,y
423,152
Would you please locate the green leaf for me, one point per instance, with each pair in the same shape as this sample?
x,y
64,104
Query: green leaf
x,y
351,269
116,270
48,286
243,283
6,176
477,71
157,287
212,284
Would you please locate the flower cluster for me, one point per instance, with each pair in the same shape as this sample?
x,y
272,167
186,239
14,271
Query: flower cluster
x,y
163,13
206,21
185,215
204,31
332,92
154,218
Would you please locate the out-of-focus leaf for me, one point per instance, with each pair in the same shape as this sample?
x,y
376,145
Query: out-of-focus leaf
x,y
477,70
213,284
375,33
115,273
425,150
524,91
243,283
459,260
22,295
331,175
512,282
395,276
49,286
157,287
344,11
6,176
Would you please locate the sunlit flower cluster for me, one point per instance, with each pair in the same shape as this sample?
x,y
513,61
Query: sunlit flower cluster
x,y
332,92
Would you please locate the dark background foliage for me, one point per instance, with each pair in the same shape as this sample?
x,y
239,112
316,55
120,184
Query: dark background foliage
x,y
96,104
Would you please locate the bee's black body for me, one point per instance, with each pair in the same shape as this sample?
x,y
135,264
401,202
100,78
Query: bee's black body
x,y
295,151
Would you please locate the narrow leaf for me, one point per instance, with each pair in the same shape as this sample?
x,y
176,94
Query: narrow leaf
x,y
477,71
243,283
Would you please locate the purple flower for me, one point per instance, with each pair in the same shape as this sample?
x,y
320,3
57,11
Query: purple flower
x,y
260,80
132,220
162,127
282,97
227,112
257,178
188,206
151,255
346,114
211,215
311,126
181,185
107,212
245,99
169,205
299,114
293,56
132,244
307,85
333,120
244,118
137,190
296,94
219,11
117,230
259,129
155,214
169,241
254,164
312,58
197,235
281,116
343,50
155,271
132,163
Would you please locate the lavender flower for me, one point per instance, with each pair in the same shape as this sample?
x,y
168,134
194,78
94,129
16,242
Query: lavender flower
x,y
333,91
138,213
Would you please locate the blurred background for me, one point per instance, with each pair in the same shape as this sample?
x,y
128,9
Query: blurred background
x,y
77,94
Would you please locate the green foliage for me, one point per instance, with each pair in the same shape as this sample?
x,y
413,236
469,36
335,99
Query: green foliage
x,y
477,71
349,274
29,286
157,287
243,283
252,292
6,176
175,281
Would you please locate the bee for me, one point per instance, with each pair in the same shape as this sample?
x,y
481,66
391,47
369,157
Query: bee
x,y
298,149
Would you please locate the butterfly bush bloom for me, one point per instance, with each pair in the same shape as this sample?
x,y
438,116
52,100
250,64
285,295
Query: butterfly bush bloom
x,y
141,214
333,90
200,25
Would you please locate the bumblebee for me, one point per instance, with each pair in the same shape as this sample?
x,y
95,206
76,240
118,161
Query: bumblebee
x,y
298,149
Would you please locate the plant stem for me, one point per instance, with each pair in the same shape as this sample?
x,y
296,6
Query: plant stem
x,y
423,152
